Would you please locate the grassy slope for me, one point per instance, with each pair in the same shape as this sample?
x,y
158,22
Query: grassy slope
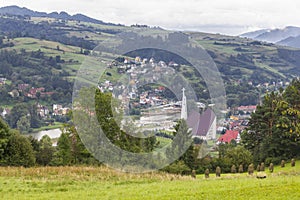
x,y
231,49
223,52
102,183
50,49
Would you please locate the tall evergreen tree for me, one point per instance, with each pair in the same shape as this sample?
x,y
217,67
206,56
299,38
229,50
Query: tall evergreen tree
x,y
274,129
4,137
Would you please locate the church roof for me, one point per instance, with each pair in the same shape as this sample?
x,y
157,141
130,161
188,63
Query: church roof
x,y
201,124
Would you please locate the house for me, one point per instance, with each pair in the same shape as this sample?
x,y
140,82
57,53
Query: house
x,y
204,126
59,110
2,81
57,107
42,111
229,136
34,91
23,87
5,112
138,60
14,93
247,109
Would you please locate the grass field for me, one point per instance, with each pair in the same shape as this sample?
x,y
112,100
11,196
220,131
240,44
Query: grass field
x,y
103,183
56,125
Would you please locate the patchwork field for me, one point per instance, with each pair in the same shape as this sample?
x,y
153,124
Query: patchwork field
x,y
103,183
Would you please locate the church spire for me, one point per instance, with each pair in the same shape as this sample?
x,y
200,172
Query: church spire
x,y
183,106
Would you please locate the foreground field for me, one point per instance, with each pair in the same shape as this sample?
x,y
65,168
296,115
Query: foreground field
x,y
103,183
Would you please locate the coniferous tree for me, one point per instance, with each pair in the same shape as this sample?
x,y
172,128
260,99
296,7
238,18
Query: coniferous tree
x,y
274,128
4,138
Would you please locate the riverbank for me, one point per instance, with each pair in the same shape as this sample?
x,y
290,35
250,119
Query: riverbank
x,y
53,134
56,125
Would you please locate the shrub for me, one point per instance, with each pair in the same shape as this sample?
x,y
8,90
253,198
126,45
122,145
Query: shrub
x,y
237,155
274,160
20,151
178,168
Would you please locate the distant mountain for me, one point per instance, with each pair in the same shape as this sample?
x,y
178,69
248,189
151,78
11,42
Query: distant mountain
x,y
291,42
274,35
254,34
15,10
277,35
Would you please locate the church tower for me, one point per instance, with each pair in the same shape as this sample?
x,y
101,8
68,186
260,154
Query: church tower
x,y
183,106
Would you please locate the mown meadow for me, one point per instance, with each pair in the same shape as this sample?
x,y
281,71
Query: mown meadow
x,y
103,183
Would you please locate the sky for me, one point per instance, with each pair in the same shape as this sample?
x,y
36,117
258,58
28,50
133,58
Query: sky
x,y
231,17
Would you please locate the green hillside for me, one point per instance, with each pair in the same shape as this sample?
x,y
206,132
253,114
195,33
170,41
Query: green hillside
x,y
47,53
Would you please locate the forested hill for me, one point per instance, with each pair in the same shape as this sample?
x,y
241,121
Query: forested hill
x,y
51,49
17,11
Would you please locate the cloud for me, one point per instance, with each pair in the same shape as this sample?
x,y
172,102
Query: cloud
x,y
178,13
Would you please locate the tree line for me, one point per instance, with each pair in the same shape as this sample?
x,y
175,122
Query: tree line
x,y
272,136
20,150
274,129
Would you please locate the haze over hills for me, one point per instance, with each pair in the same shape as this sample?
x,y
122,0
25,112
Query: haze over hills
x,y
254,34
288,36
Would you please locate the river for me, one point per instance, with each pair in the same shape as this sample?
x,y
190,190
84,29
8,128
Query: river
x,y
54,133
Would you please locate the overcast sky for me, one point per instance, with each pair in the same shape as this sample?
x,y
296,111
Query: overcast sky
x,y
218,16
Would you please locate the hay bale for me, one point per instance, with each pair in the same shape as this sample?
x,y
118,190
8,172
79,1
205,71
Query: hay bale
x,y
206,173
258,168
261,175
218,171
251,169
193,174
271,168
233,169
241,169
293,163
282,164
262,167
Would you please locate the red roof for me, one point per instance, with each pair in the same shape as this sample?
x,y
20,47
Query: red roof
x,y
228,136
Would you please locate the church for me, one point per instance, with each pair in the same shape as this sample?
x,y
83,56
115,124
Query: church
x,y
203,126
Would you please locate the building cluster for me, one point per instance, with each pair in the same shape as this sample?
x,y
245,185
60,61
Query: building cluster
x,y
43,111
206,127
139,72
31,92
59,110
